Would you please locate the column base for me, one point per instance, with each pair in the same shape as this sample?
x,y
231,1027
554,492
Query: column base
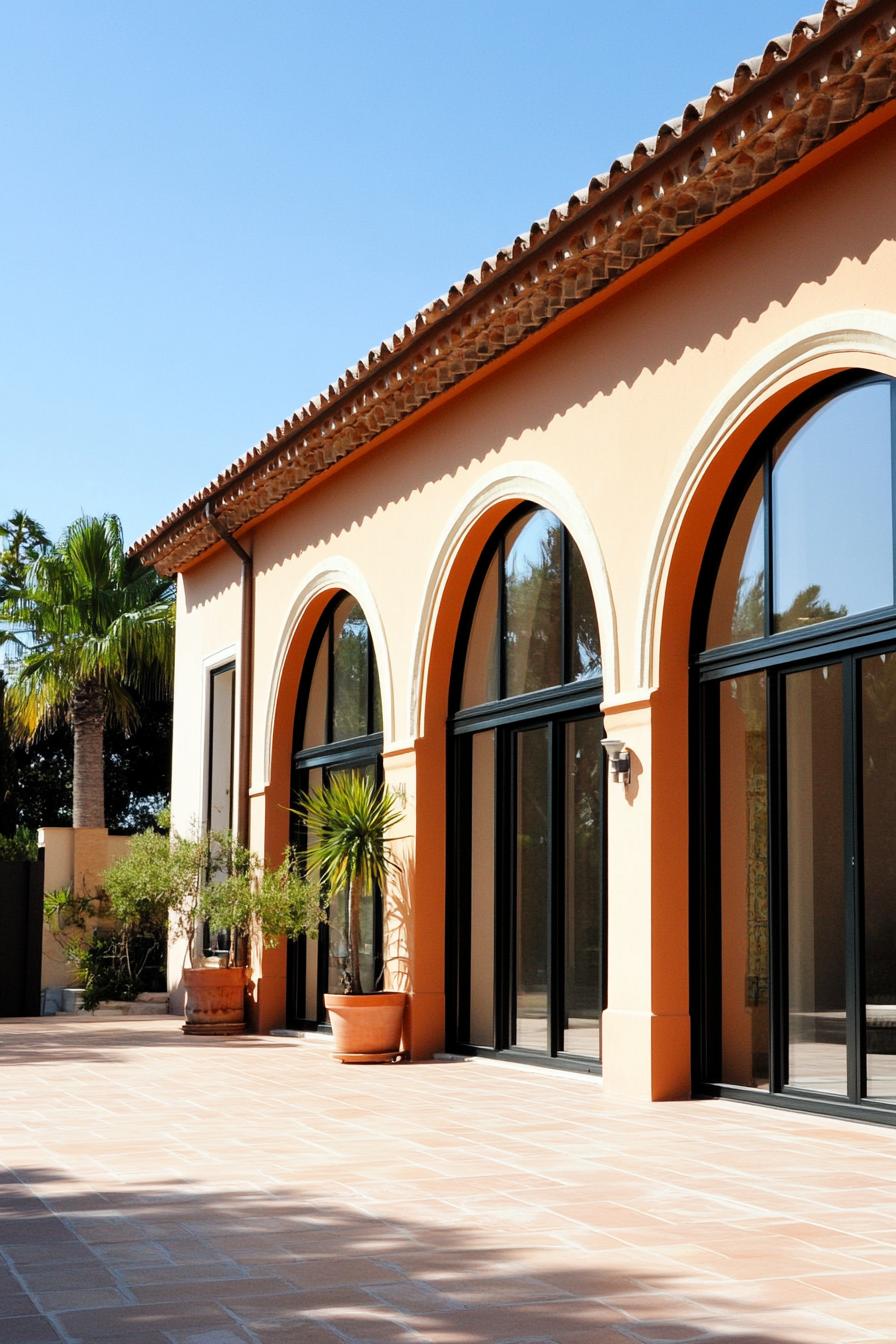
x,y
424,1030
646,1056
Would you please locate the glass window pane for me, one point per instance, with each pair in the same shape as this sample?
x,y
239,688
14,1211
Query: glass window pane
x,y
879,803
480,684
482,891
533,594
832,511
582,923
314,781
376,725
220,782
315,731
738,599
743,806
584,642
815,898
350,639
533,886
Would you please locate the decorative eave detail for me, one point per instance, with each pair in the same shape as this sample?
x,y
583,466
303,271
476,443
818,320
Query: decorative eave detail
x,y
805,89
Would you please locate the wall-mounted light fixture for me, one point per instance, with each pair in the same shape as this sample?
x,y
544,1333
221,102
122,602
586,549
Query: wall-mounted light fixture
x,y
620,759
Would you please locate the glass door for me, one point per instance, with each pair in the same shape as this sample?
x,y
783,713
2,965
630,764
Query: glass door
x,y
333,937
818,875
318,966
877,692
530,948
533,804
582,908
806,987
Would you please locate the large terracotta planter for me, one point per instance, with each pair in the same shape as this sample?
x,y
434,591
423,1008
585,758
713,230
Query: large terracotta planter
x,y
366,1027
216,1001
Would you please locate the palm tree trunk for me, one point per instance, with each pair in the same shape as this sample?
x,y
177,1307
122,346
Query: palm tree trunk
x,y
354,934
88,720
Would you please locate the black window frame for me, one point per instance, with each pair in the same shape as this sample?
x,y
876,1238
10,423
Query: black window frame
x,y
222,937
346,753
552,707
844,641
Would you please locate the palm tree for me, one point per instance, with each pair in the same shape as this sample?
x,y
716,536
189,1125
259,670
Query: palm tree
x,y
22,540
90,628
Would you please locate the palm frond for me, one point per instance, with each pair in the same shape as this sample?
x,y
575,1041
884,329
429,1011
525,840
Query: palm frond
x,y
350,818
86,614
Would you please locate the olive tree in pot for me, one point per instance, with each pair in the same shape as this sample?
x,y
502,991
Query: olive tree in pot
x,y
238,896
348,821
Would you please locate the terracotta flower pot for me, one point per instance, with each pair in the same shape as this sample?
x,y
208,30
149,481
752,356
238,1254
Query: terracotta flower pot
x,y
216,1001
366,1027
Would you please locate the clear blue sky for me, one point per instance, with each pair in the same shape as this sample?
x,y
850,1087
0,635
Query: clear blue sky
x,y
212,208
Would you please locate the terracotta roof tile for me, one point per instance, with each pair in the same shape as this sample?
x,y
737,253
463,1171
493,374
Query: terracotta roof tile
x,y
805,87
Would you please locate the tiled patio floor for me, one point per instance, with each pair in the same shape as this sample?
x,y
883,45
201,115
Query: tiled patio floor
x,y
159,1189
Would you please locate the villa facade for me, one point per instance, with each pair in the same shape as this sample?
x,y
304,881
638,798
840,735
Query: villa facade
x,y
632,479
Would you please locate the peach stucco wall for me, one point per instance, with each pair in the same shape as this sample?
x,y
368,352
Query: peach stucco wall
x,y
208,619
628,423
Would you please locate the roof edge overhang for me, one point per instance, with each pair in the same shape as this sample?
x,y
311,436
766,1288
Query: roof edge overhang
x,y
805,91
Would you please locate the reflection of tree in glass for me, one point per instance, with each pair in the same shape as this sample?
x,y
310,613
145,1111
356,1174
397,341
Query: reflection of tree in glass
x,y
583,827
584,641
748,621
533,596
350,675
533,874
807,608
750,695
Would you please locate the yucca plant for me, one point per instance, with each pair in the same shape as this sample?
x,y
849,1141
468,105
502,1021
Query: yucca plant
x,y
349,819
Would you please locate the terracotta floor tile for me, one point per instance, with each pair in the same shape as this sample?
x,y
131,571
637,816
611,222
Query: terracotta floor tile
x,y
511,1205
15,1304
118,1325
217,1294
29,1330
40,1278
878,1283
52,1300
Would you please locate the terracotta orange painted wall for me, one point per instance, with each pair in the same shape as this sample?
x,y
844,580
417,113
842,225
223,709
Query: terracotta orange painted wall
x,y
629,423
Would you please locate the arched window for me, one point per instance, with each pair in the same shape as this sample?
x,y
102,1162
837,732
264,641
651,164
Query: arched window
x,y
338,727
795,635
527,961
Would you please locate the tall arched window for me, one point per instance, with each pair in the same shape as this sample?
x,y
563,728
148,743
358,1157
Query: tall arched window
x,y
795,654
338,727
526,947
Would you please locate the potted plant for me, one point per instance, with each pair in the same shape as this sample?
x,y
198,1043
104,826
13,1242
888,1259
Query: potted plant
x,y
236,895
158,881
349,819
211,879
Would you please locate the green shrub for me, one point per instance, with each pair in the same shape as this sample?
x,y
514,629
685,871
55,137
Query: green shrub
x,y
241,896
115,965
21,846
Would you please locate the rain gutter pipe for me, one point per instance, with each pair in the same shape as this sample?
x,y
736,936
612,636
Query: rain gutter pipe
x,y
247,591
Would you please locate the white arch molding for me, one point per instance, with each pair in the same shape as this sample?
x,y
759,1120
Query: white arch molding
x,y
535,483
838,340
329,576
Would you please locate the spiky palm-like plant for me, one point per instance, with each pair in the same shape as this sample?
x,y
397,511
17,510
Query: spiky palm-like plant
x,y
88,627
349,819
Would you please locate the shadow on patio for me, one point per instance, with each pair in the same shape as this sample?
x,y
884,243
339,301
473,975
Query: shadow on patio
x,y
185,1261
164,1191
